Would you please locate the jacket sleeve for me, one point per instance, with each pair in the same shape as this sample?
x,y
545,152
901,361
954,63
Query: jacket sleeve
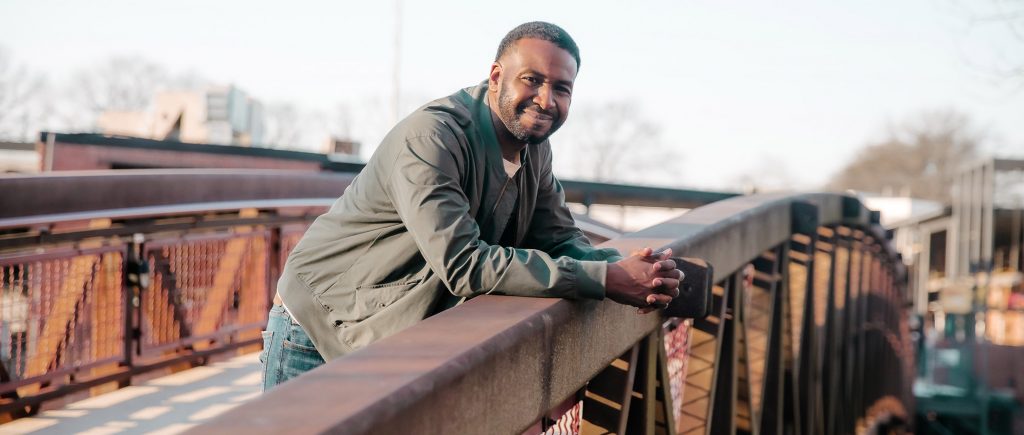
x,y
424,187
552,228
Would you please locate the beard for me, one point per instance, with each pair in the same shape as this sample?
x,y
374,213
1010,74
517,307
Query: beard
x,y
511,115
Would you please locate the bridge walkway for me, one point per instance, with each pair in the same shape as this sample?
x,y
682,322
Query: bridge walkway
x,y
162,406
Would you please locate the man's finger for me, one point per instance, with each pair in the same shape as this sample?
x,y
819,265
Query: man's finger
x,y
643,252
664,265
665,283
674,274
672,292
658,300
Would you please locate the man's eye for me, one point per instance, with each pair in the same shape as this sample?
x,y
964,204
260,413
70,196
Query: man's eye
x,y
531,80
564,90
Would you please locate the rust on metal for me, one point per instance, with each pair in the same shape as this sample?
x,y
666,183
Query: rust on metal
x,y
503,362
119,297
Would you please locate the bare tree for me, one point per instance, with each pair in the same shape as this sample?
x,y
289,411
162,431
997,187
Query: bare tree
x,y
125,83
371,121
188,81
21,110
610,137
987,19
918,158
341,126
770,174
281,127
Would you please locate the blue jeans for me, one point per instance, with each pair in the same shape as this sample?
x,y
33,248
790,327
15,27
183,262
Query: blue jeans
x,y
287,350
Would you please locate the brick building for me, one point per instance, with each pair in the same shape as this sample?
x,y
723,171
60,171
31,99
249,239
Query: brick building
x,y
86,151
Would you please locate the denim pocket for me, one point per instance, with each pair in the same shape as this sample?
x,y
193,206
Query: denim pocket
x,y
298,359
268,338
270,361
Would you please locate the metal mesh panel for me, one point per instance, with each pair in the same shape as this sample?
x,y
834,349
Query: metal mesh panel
x,y
568,423
699,379
204,288
677,348
757,320
290,237
60,313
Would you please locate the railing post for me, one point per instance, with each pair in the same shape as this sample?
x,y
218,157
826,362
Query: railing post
x,y
134,279
860,322
274,263
668,403
805,220
627,392
850,329
828,369
773,401
723,397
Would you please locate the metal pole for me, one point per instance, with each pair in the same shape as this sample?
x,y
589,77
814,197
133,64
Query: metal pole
x,y
828,346
770,416
627,393
964,221
396,76
723,398
952,237
51,141
924,265
1014,259
809,348
846,375
988,185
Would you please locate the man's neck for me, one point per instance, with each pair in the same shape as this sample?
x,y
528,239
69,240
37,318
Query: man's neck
x,y
511,147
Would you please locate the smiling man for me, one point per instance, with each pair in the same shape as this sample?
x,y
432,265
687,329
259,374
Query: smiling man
x,y
457,201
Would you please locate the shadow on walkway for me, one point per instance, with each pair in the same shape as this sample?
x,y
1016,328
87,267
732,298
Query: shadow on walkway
x,y
166,405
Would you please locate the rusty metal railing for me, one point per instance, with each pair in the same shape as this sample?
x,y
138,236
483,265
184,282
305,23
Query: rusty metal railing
x,y
807,335
108,274
95,297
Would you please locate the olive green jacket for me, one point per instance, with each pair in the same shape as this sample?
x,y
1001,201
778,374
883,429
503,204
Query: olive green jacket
x,y
420,225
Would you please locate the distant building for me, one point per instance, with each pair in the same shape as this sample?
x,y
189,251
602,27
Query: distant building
x,y
898,209
222,115
346,147
16,157
87,151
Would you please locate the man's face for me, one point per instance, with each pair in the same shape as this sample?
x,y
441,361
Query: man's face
x,y
535,80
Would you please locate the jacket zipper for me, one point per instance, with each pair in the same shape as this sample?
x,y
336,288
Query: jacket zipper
x,y
498,201
503,188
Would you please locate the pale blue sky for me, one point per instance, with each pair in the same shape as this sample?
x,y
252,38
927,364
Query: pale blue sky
x,y
735,86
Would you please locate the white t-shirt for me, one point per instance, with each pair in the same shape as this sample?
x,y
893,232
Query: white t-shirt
x,y
511,168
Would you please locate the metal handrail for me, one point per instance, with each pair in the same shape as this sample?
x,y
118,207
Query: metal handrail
x,y
496,364
108,254
30,241
77,191
81,191
161,211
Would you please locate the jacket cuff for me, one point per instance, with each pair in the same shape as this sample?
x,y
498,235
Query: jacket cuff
x,y
590,279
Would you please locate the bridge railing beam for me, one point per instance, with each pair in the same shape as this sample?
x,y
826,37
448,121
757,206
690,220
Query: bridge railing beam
x,y
497,364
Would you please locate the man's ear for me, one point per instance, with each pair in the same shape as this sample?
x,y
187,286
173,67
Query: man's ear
x,y
494,77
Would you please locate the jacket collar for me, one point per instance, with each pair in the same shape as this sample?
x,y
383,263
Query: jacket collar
x,y
491,146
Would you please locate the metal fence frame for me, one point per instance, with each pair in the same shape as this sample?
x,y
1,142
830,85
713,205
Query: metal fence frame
x,y
499,364
134,234
131,213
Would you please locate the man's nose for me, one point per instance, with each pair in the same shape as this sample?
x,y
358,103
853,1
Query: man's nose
x,y
544,99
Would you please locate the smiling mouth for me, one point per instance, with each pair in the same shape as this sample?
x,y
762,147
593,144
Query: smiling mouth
x,y
539,116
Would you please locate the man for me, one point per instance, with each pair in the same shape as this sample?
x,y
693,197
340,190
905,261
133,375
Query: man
x,y
457,201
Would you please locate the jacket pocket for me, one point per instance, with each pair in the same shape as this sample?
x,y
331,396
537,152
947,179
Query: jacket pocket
x,y
380,296
347,305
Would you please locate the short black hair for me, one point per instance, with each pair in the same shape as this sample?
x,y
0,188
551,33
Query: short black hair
x,y
540,30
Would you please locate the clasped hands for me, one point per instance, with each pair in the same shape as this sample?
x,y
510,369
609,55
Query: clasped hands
x,y
644,280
